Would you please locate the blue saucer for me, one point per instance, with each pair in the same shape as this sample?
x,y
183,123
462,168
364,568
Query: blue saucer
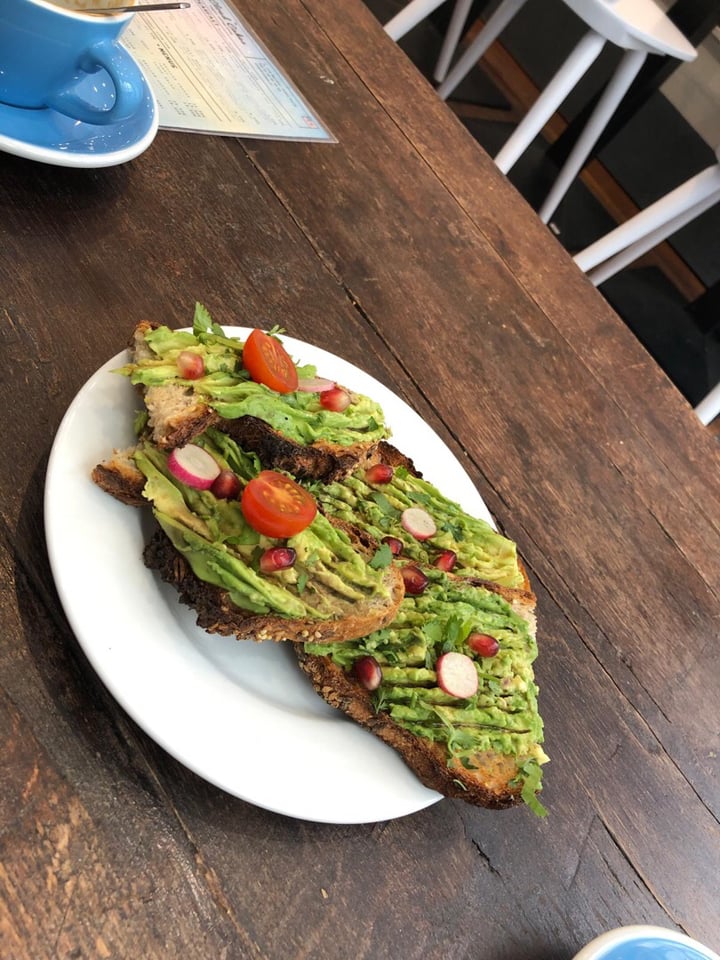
x,y
51,137
644,942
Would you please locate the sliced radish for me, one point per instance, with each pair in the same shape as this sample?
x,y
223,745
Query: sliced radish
x,y
457,675
418,523
315,385
194,466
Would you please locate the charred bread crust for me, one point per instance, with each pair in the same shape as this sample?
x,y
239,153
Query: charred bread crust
x,y
216,612
486,786
387,453
119,477
316,461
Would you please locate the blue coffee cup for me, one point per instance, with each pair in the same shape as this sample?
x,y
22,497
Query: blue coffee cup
x,y
46,50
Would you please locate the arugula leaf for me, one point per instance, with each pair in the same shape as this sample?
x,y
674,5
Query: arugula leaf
x,y
532,773
140,422
202,321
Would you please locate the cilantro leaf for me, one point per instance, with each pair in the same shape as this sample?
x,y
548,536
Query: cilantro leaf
x,y
382,557
384,504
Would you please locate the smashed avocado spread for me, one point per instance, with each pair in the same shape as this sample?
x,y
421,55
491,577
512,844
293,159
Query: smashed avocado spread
x,y
501,718
226,386
481,551
328,578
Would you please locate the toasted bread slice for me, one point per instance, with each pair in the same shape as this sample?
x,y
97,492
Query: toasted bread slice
x,y
485,750
180,410
120,477
217,613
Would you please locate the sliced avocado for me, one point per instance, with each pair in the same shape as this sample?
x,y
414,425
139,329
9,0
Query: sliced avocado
x,y
481,551
327,580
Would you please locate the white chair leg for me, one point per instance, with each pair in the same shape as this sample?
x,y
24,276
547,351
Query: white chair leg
x,y
452,38
410,16
709,408
565,80
623,259
688,195
616,89
494,26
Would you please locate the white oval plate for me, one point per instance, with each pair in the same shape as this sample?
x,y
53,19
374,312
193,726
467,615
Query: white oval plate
x,y
239,714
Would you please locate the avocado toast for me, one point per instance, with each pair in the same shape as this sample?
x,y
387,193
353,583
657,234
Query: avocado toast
x,y
474,735
237,579
484,748
193,380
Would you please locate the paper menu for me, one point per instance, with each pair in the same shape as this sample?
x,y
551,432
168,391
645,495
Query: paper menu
x,y
211,74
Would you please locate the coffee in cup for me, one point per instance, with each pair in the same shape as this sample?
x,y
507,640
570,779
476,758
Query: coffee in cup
x,y
46,50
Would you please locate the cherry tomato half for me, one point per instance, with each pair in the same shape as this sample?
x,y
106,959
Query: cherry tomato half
x,y
276,506
268,362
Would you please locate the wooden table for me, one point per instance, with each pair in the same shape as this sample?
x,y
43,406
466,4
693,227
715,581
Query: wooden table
x,y
403,250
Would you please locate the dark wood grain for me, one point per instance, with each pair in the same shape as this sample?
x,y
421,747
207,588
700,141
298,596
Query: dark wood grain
x,y
402,249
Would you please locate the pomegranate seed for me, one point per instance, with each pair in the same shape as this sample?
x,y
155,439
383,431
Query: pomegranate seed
x,y
191,366
277,558
446,560
335,399
415,580
457,675
483,644
379,473
396,545
367,671
226,486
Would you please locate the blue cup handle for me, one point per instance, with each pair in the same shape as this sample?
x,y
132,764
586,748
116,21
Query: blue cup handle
x,y
125,75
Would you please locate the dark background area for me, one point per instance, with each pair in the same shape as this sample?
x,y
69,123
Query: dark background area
x,y
653,153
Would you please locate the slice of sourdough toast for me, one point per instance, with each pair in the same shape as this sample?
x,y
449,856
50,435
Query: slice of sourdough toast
x,y
290,431
217,612
485,749
206,549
